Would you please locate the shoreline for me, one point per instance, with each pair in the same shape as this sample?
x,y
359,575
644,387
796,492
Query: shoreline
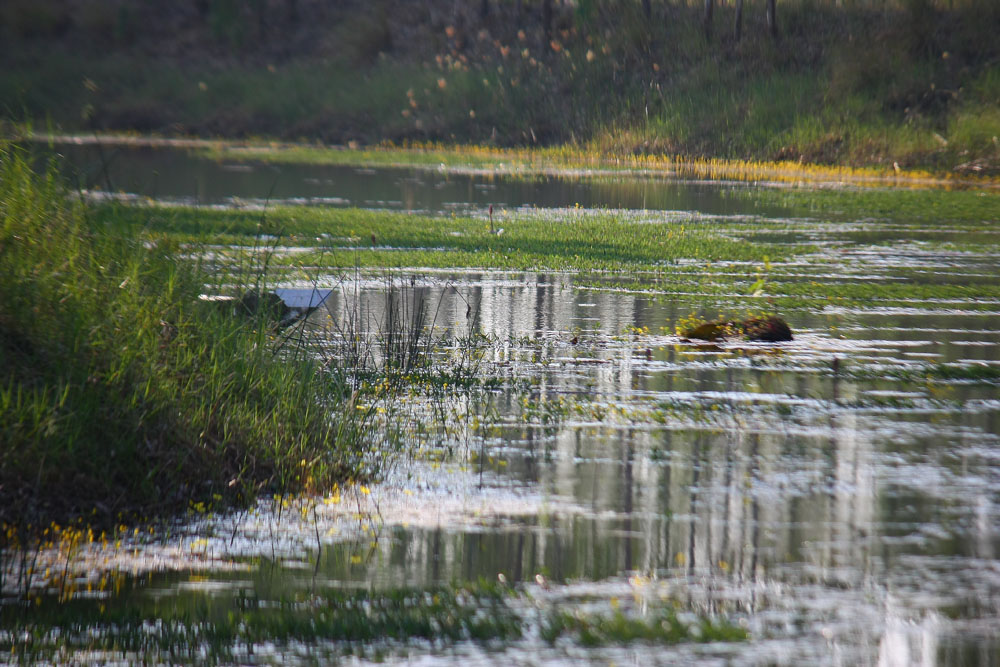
x,y
558,162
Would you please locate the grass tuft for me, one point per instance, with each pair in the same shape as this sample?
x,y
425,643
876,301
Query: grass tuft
x,y
121,393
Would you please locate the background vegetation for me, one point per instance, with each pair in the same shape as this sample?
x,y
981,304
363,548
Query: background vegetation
x,y
905,82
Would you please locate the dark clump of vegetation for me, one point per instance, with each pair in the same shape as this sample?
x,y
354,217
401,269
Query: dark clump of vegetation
x,y
665,627
970,373
121,393
908,83
770,329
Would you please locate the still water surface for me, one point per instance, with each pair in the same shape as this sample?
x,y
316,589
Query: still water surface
x,y
180,176
843,513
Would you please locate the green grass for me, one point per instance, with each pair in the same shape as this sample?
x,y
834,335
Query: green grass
x,y
937,212
707,257
120,389
121,393
342,238
716,261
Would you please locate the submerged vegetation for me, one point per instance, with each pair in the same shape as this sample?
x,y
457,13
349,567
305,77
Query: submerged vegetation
x,y
651,498
370,624
618,628
235,627
127,389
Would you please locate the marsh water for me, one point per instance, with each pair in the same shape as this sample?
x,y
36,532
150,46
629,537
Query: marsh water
x,y
820,493
182,177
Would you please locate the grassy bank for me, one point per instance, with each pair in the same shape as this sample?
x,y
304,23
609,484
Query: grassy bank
x,y
121,394
913,83
560,161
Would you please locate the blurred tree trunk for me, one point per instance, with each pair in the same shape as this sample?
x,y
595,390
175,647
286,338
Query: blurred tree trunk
x,y
738,21
458,20
647,8
484,9
709,7
547,20
260,10
772,19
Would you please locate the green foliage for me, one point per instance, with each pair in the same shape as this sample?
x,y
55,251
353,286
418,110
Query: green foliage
x,y
121,392
682,257
936,212
576,240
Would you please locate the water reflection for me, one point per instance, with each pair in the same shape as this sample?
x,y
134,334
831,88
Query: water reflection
x,y
178,175
852,512
865,508
844,514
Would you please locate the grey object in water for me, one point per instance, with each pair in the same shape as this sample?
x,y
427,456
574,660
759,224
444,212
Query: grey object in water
x,y
285,306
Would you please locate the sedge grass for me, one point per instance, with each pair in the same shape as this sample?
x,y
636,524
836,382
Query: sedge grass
x,y
121,393
577,240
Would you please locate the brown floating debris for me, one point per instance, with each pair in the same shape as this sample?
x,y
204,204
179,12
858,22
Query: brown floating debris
x,y
771,329
711,331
